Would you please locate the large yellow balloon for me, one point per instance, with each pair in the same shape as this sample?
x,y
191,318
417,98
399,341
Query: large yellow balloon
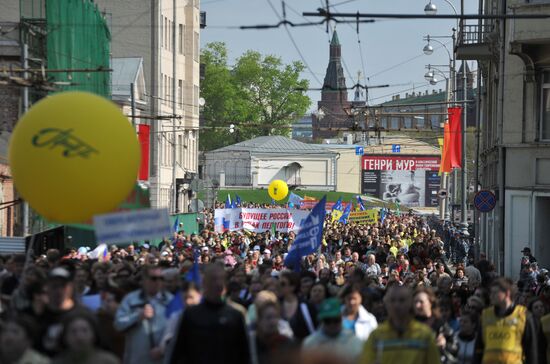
x,y
74,155
277,189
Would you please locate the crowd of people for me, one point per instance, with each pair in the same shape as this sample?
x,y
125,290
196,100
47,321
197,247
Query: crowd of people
x,y
386,292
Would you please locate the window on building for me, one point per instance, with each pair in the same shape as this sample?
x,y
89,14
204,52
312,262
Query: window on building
x,y
165,32
180,149
195,99
161,87
180,93
180,39
545,106
170,89
165,89
196,46
162,31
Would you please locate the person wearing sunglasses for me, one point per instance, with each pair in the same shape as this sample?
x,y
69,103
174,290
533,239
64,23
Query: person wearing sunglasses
x,y
141,316
331,337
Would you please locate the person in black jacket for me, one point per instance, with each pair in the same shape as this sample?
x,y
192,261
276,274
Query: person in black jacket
x,y
212,332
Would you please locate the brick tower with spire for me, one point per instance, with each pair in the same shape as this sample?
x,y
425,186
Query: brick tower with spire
x,y
334,97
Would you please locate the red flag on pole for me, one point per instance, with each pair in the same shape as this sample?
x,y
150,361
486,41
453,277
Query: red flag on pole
x,y
455,130
143,137
445,165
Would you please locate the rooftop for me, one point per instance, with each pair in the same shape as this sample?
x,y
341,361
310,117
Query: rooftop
x,y
273,144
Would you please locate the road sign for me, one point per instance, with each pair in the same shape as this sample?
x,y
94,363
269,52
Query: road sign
x,y
485,201
359,151
396,148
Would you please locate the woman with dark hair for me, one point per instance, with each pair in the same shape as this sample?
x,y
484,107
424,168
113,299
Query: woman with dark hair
x,y
319,292
80,341
16,337
426,310
355,317
267,343
300,315
537,308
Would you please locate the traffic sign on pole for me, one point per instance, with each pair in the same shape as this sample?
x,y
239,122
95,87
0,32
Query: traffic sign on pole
x,y
485,201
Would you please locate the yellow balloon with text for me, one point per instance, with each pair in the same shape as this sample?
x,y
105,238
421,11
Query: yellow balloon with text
x,y
277,189
74,155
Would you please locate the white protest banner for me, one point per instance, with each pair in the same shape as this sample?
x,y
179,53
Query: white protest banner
x,y
134,225
258,220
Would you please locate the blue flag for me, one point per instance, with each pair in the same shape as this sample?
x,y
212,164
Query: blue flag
x,y
337,205
237,199
194,275
360,203
228,202
382,214
345,215
295,199
176,224
309,237
174,306
234,204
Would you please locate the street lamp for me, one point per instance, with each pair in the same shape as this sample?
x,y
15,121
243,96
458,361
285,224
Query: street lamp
x,y
429,76
428,49
430,8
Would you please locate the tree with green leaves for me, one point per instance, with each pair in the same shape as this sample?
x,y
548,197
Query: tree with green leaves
x,y
258,94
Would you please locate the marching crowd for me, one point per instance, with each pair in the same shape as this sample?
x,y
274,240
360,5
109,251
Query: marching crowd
x,y
402,290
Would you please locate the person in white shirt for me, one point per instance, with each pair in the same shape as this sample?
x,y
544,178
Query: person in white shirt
x,y
355,317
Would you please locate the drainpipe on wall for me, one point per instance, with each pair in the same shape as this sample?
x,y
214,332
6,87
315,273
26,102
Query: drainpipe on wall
x,y
335,170
500,133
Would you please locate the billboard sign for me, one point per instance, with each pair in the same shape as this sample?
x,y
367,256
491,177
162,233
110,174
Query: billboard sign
x,y
412,181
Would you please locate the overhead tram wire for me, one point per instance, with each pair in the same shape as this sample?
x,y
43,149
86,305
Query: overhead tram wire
x,y
294,42
328,15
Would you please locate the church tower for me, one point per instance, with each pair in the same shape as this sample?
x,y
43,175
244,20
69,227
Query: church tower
x,y
334,96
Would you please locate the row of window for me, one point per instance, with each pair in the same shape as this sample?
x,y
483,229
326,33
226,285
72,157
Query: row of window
x,y
167,96
167,40
186,150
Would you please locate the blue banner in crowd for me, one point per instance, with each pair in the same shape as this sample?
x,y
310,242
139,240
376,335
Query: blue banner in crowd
x,y
309,237
360,203
337,205
345,215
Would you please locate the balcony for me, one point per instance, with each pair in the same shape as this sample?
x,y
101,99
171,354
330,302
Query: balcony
x,y
473,42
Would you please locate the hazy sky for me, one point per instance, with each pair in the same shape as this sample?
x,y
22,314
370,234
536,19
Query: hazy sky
x,y
391,49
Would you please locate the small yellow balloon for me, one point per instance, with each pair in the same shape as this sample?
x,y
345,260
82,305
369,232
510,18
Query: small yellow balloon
x,y
74,155
277,189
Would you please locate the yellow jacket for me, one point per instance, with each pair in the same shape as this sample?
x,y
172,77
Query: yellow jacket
x,y
502,336
415,346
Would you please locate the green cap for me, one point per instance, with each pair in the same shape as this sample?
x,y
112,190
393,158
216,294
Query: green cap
x,y
330,308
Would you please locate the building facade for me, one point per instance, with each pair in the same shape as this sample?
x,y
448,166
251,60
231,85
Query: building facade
x,y
256,162
166,35
514,162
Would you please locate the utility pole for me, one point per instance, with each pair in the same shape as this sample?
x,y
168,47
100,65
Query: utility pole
x,y
174,143
133,103
25,105
463,176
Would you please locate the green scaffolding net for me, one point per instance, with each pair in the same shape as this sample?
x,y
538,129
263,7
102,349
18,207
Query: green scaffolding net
x,y
78,39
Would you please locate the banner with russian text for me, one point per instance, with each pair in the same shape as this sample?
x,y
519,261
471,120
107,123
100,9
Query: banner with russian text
x,y
258,220
364,217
